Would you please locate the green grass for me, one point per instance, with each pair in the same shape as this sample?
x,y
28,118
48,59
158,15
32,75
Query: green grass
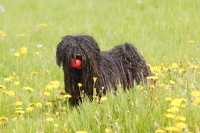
x,y
163,31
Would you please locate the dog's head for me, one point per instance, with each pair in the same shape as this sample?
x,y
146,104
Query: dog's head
x,y
77,51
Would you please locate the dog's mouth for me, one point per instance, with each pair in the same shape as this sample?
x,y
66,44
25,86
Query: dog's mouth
x,y
76,61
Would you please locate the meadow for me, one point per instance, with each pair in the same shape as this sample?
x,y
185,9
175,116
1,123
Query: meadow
x,y
166,32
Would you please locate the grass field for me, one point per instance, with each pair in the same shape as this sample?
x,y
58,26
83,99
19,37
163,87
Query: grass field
x,y
166,32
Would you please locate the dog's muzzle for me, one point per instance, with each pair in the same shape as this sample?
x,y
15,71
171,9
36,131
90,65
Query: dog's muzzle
x,y
76,62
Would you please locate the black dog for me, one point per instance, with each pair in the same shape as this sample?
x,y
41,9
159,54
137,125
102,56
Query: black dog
x,y
82,60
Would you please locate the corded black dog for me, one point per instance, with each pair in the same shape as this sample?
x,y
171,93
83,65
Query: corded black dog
x,y
82,60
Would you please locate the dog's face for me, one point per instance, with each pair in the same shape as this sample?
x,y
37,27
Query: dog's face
x,y
76,52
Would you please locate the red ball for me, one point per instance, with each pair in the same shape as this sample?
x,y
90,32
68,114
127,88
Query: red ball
x,y
76,63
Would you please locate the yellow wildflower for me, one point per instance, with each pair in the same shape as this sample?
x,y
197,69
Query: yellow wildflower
x,y
196,102
168,99
29,109
151,87
28,89
20,35
43,25
57,113
181,125
7,79
20,112
2,87
103,99
3,118
18,103
159,131
79,85
94,79
56,125
180,118
175,65
38,104
171,82
16,54
46,93
169,115
49,104
23,50
152,77
191,42
174,109
107,130
67,96
50,119
139,87
34,73
81,131
195,93
9,93
176,102
172,129
16,83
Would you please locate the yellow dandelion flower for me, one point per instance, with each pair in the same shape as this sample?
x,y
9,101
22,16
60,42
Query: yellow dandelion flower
x,y
65,130
191,42
180,118
9,93
103,99
57,113
56,125
81,131
43,25
182,70
139,87
175,109
172,129
19,112
183,106
38,104
174,65
181,125
19,108
169,115
23,50
152,77
28,89
29,109
171,82
49,103
16,83
196,102
159,131
94,79
46,93
18,103
48,87
3,118
3,34
67,96
7,79
34,73
195,93
50,119
31,104
20,35
107,130
194,67
79,85
16,54
168,99
176,102
2,87
152,87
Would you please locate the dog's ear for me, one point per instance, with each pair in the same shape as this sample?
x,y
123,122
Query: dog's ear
x,y
60,53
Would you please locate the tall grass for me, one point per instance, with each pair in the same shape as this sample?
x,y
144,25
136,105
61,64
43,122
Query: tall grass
x,y
32,98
